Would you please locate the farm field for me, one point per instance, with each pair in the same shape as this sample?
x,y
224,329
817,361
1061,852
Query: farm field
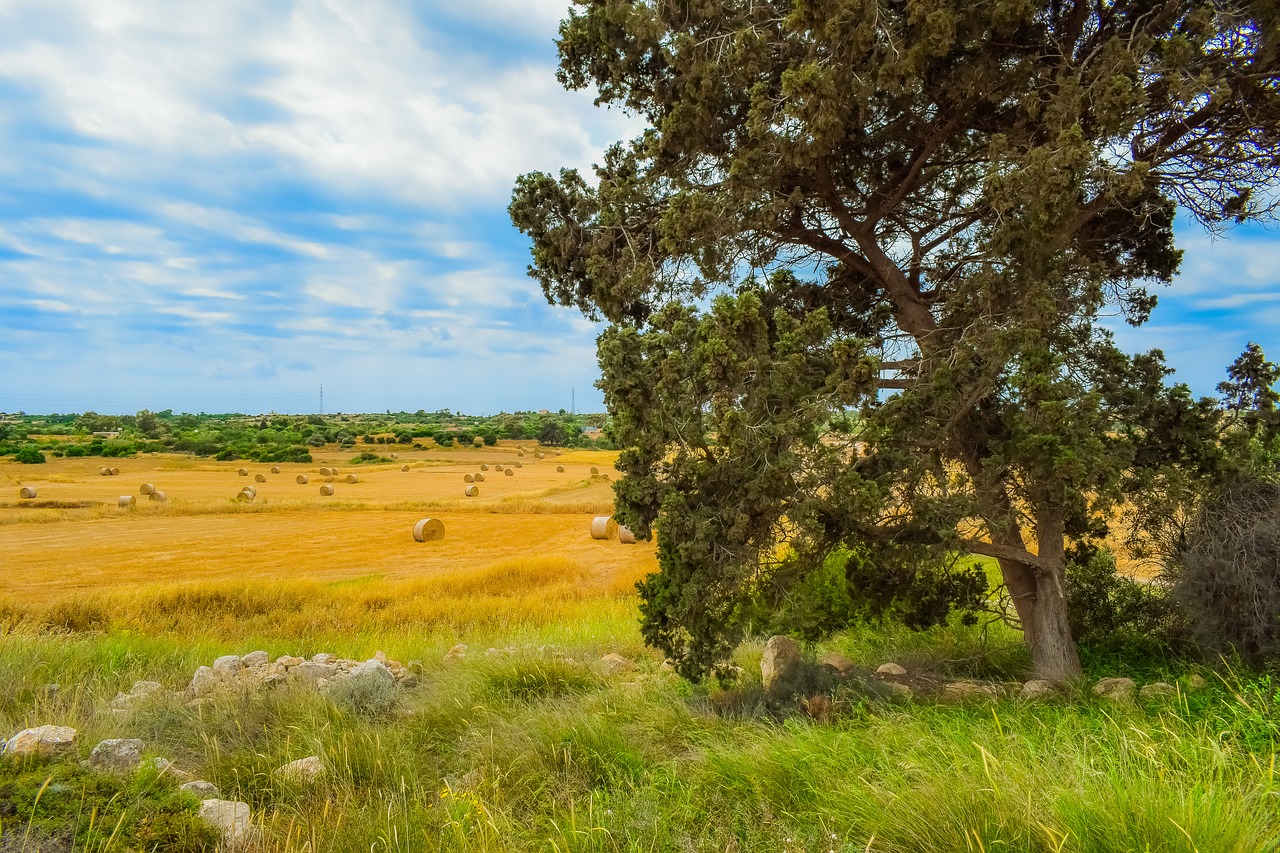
x,y
518,732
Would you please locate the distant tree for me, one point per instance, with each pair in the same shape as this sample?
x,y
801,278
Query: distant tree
x,y
939,199
553,433
147,423
29,456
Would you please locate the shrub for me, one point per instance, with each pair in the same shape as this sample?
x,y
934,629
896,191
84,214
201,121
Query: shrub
x,y
1227,577
365,695
1112,615
29,456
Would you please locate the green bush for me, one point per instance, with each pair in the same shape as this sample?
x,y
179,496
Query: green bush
x,y
1113,616
29,456
365,695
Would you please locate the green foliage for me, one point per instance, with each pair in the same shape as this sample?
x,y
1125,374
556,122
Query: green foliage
x,y
368,457
29,456
365,695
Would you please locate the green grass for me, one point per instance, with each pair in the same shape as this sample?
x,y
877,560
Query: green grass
x,y
537,750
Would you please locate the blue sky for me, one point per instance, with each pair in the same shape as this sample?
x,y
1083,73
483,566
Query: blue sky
x,y
224,206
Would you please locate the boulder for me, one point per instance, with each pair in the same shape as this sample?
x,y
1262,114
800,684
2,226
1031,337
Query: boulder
x,y
1157,690
838,665
202,789
780,665
288,661
313,672
890,669
302,771
42,741
614,663
1038,688
324,657
373,670
1116,689
232,820
143,689
970,691
898,690
204,682
228,665
116,755
256,659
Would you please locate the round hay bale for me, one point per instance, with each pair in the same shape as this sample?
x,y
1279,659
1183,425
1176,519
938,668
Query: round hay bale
x,y
159,496
146,489
324,472
428,530
510,472
404,467
471,491
250,489
126,501
353,479
559,469
27,492
497,467
245,495
243,472
468,478
395,456
484,467
625,536
519,465
604,527
479,478
260,478
594,471
105,472
333,472
326,489
303,479
539,456
519,453
115,472
275,469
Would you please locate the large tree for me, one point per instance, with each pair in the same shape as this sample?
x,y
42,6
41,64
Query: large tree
x,y
854,270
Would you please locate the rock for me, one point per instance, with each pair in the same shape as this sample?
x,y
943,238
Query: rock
x,y
202,789
116,755
143,689
232,819
228,665
898,690
204,682
1195,682
273,681
302,771
1038,688
42,741
1157,690
380,657
256,659
780,664
312,672
458,652
969,691
1116,689
374,669
890,669
168,768
324,657
838,665
288,662
613,663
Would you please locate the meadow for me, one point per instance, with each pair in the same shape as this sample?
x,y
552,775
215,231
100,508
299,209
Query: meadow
x,y
527,741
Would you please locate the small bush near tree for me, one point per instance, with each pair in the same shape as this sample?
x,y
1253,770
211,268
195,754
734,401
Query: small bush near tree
x,y
29,456
1114,616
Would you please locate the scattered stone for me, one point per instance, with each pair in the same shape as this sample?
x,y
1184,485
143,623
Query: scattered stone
x,y
780,664
302,771
458,652
968,691
204,682
375,670
42,741
324,657
312,672
838,665
168,768
274,681
232,819
143,689
614,663
256,659
1038,688
116,755
228,665
202,789
380,657
288,662
1116,689
1158,690
898,690
890,669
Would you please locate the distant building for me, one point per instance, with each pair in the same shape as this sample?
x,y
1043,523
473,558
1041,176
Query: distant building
x,y
107,433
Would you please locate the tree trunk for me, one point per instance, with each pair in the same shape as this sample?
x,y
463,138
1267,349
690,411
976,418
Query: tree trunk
x,y
1039,595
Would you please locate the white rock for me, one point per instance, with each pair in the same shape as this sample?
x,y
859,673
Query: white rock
x,y
1158,690
116,755
256,659
324,657
838,665
312,672
42,741
966,691
288,661
302,771
232,819
202,789
780,663
373,669
228,665
891,669
900,690
204,682
1116,689
143,689
1038,688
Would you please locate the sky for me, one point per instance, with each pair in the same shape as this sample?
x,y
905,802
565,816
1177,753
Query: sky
x,y
229,206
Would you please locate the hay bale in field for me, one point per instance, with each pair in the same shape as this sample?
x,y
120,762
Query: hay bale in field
x,y
471,491
479,478
353,479
303,479
324,472
604,527
260,478
159,496
559,469
27,492
104,472
275,469
146,489
126,501
404,467
326,489
510,472
468,478
243,472
519,453
395,456
497,467
484,467
115,472
246,495
519,465
625,536
428,530
594,471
